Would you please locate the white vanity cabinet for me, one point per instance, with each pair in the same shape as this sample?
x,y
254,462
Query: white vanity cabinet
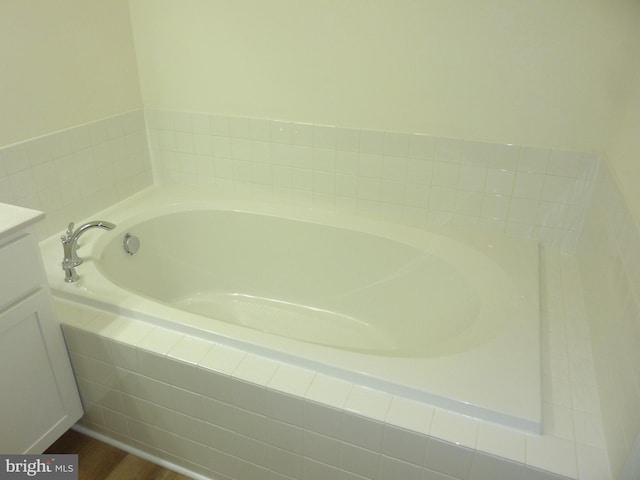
x,y
39,399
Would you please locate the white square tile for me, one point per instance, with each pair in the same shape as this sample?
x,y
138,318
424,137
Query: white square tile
x,y
396,144
404,445
558,421
302,134
370,165
362,432
190,349
314,470
524,210
391,468
259,129
593,463
554,454
469,203
504,157
285,407
369,188
292,380
329,390
222,359
368,402
346,185
323,419
557,189
500,182
321,448
347,162
422,147
255,369
472,178
448,458
286,436
394,168
588,429
324,136
420,171
501,441
159,340
359,461
528,185
280,132
563,163
220,126
495,207
392,192
417,195
489,467
445,174
442,199
285,462
533,160
348,140
410,414
371,142
238,127
454,428
249,396
449,150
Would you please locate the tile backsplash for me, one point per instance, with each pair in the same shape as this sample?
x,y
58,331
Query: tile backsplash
x,y
413,178
74,173
416,179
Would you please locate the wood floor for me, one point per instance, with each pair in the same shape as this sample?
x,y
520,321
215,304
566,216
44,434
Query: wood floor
x,y
99,461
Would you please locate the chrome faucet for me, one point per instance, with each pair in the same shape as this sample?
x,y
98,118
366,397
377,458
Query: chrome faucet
x,y
70,245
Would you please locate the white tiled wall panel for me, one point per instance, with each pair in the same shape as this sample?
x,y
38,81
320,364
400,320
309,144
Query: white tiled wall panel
x,y
609,255
411,178
414,178
75,172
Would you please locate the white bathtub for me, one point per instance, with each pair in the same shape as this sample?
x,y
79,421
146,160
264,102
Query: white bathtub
x,y
447,317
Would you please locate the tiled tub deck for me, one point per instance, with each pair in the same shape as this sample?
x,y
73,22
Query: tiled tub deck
x,y
221,413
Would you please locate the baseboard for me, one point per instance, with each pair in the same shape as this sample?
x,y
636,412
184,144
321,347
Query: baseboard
x,y
140,453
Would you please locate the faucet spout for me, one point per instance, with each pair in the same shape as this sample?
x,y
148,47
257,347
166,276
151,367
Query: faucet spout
x,y
70,246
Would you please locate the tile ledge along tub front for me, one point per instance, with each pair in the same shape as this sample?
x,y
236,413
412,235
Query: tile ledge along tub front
x,y
216,268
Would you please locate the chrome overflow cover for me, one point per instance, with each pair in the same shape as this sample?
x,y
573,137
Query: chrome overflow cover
x,y
130,243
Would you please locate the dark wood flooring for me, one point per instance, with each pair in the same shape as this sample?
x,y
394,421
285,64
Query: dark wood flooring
x,y
99,461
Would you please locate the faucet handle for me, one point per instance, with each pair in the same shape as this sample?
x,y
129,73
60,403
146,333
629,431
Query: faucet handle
x,y
66,238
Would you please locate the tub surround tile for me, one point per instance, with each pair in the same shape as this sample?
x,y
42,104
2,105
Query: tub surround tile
x,y
248,398
111,155
554,454
329,390
299,161
502,442
222,359
454,428
190,350
368,402
292,380
255,369
409,414
257,411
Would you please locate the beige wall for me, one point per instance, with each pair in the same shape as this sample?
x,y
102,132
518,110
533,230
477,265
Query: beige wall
x,y
624,151
546,73
64,63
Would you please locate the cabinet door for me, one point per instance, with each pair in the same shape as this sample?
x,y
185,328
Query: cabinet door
x,y
38,395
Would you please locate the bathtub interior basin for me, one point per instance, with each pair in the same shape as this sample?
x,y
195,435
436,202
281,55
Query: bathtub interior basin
x,y
316,283
432,315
